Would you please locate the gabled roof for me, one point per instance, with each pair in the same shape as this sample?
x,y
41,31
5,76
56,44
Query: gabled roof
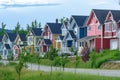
x,y
116,15
55,28
47,42
11,36
101,15
7,46
36,31
72,34
22,37
80,20
1,37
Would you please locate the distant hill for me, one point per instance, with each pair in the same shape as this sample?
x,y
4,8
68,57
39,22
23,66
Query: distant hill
x,y
7,30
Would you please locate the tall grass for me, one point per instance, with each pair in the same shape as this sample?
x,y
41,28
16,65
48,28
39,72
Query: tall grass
x,y
104,56
10,74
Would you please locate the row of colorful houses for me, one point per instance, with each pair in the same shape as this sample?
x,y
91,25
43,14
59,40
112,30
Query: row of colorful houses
x,y
100,30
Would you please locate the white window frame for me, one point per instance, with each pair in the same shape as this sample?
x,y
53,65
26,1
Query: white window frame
x,y
107,29
114,26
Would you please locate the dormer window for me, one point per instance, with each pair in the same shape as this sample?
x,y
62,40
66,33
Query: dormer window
x,y
88,28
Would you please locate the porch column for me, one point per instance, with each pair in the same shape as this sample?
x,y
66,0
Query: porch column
x,y
56,44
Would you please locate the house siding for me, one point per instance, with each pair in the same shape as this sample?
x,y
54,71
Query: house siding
x,y
54,40
93,23
106,43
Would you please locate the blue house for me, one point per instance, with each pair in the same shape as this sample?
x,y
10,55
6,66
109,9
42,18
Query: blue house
x,y
75,30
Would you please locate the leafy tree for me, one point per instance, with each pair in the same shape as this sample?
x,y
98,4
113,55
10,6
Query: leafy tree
x,y
85,53
64,60
22,31
38,57
57,61
28,27
19,67
72,50
34,24
63,19
52,53
93,59
17,28
77,60
2,32
10,56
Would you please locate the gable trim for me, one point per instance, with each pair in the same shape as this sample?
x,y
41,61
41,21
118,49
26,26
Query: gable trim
x,y
108,15
92,11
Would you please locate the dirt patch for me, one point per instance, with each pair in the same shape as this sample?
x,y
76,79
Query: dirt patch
x,y
110,65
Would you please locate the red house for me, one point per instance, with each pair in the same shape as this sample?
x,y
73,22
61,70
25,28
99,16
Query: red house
x,y
50,33
101,29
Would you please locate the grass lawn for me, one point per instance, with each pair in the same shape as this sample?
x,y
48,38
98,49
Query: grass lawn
x,y
9,73
70,64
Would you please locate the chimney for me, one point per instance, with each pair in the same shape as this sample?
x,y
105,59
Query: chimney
x,y
56,20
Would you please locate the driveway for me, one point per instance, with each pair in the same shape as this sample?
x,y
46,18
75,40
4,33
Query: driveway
x,y
100,72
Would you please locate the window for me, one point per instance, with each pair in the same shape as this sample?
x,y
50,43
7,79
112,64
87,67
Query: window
x,y
114,26
99,27
107,27
30,40
81,44
88,28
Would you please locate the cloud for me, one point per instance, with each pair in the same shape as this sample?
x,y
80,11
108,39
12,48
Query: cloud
x,y
98,2
26,3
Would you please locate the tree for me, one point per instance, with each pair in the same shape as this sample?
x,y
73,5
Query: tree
x,y
77,60
85,53
28,27
10,56
64,60
93,59
72,50
35,24
17,28
2,32
57,61
22,31
19,67
52,53
23,58
38,60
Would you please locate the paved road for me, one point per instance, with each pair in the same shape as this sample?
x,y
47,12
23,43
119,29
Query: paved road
x,y
100,72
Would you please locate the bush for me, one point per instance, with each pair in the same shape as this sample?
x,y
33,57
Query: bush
x,y
97,59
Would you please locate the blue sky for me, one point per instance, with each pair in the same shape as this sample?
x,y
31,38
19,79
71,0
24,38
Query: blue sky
x,y
25,11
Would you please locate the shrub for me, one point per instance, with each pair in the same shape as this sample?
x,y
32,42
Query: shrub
x,y
97,59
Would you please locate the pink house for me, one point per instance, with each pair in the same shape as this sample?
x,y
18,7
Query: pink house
x,y
101,29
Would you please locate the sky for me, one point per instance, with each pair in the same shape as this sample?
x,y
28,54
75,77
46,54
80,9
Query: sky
x,y
26,11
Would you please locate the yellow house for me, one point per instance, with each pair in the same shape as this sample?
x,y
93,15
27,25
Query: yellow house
x,y
33,37
20,42
52,31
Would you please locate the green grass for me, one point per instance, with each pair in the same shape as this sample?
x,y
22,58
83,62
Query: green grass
x,y
9,73
96,58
